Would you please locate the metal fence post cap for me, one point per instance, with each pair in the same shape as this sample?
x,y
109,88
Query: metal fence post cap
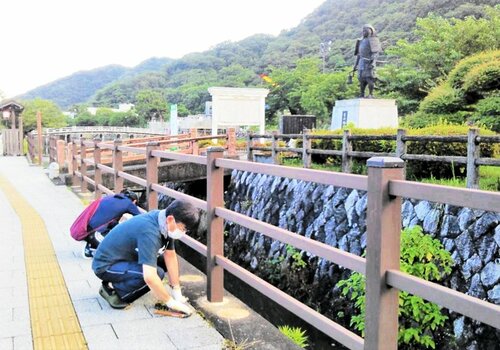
x,y
215,149
385,162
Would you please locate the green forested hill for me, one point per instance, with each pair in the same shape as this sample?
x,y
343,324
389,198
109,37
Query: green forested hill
x,y
77,87
81,86
185,80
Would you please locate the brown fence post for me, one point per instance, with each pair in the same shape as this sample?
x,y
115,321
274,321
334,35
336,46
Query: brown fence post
x,y
473,153
193,133
76,179
51,149
215,232
97,170
306,147
31,151
249,146
21,136
83,166
346,148
231,142
40,136
117,166
274,144
151,175
60,147
401,148
383,250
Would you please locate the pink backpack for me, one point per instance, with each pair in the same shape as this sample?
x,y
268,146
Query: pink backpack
x,y
79,228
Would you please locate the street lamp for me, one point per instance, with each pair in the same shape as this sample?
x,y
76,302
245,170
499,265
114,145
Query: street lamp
x,y
324,49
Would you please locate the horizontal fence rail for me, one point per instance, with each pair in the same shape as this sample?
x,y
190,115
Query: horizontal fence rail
x,y
358,182
385,186
460,197
473,140
327,326
348,260
466,305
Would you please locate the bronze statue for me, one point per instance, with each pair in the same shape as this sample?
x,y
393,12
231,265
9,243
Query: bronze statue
x,y
366,52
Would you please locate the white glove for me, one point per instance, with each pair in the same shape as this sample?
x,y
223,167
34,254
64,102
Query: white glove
x,y
178,306
177,294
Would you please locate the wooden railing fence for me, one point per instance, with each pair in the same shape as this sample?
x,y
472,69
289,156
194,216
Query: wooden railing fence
x,y
57,148
472,160
385,187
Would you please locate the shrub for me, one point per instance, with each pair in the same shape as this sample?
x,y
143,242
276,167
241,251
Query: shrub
x,y
482,79
442,99
211,143
358,145
457,74
439,170
421,119
487,113
415,169
423,257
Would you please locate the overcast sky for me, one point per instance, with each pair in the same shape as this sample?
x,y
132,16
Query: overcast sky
x,y
42,41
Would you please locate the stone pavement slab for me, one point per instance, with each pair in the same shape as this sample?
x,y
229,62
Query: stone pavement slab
x,y
103,327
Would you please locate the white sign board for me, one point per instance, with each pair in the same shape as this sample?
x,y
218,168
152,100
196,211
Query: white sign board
x,y
238,107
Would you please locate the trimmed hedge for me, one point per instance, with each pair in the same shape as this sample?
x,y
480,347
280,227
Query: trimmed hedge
x,y
418,170
482,79
415,169
487,113
422,120
442,99
457,74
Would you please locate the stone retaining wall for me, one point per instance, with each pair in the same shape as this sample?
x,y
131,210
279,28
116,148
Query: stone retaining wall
x,y
337,216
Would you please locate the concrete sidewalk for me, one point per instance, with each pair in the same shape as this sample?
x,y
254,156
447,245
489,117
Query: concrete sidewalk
x,y
103,327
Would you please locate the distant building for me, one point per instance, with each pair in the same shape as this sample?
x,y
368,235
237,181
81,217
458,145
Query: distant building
x,y
92,110
122,107
69,114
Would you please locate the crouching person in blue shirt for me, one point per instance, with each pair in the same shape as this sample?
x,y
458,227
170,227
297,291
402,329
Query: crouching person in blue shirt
x,y
127,260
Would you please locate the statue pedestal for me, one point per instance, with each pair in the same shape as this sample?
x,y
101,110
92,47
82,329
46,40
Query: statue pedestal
x,y
367,113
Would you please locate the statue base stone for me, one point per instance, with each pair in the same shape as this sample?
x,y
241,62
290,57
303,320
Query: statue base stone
x,y
366,113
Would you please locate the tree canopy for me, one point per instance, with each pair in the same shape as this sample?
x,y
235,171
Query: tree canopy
x,y
423,41
52,116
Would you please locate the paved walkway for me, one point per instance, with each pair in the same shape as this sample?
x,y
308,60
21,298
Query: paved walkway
x,y
102,327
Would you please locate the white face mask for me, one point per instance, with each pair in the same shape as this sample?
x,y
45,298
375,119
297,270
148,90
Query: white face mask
x,y
176,234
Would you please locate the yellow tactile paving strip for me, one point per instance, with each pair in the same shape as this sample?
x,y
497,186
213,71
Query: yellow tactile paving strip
x,y
54,324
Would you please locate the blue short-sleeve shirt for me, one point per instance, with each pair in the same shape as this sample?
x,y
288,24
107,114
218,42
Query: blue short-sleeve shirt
x,y
138,239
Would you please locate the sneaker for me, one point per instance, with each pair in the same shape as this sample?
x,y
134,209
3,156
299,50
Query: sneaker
x,y
111,297
98,236
88,251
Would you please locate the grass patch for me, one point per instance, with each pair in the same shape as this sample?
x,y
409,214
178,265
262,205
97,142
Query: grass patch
x,y
489,179
297,162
